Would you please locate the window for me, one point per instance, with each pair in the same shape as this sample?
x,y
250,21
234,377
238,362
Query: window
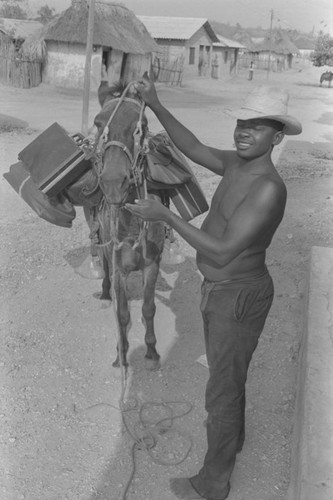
x,y
192,55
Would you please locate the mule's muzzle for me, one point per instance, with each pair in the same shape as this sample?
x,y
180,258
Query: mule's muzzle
x,y
115,189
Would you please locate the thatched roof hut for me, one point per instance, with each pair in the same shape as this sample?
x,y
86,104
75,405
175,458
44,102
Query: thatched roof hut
x,y
121,43
114,26
277,42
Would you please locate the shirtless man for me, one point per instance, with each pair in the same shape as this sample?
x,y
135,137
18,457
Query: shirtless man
x,y
237,290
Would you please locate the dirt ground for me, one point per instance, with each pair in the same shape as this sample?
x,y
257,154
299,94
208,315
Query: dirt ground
x,y
62,435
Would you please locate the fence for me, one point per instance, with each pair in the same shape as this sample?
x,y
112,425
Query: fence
x,y
263,61
20,72
166,71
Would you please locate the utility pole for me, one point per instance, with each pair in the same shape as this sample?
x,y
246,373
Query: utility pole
x,y
87,68
270,43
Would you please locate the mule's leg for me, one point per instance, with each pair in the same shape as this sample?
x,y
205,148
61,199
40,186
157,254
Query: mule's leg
x,y
106,283
150,273
123,316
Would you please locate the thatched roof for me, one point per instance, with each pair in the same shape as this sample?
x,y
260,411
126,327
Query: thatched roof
x,y
114,26
277,42
244,38
305,43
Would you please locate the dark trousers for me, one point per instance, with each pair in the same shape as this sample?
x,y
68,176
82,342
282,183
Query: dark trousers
x,y
234,314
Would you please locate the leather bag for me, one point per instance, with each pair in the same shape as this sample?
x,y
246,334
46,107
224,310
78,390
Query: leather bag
x,y
166,166
85,190
57,209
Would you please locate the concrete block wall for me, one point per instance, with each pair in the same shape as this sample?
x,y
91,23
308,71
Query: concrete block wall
x,y
312,455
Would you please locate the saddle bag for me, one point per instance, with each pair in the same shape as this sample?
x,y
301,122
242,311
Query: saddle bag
x,y
85,190
166,166
57,210
168,170
54,159
189,199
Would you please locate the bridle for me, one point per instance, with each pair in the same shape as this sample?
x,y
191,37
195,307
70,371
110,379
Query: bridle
x,y
135,159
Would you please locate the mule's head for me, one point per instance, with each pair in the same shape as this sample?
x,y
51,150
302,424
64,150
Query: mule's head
x,y
117,150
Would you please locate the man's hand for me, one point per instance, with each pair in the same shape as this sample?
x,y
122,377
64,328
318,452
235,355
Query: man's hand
x,y
147,91
151,210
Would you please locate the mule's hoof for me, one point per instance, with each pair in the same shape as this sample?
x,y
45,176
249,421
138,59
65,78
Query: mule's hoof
x,y
116,363
152,364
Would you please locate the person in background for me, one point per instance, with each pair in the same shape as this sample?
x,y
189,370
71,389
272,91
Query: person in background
x,y
251,70
237,290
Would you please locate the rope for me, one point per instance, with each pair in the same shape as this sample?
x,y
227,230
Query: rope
x,y
146,434
119,343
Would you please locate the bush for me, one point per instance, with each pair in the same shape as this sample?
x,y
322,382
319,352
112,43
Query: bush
x,y
323,53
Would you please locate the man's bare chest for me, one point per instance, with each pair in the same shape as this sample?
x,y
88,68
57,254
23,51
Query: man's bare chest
x,y
230,193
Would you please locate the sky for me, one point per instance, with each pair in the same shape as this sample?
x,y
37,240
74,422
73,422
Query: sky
x,y
303,15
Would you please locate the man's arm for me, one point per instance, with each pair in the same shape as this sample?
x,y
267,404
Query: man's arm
x,y
262,209
211,158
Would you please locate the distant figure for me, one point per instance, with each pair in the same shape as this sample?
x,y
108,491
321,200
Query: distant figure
x,y
251,70
200,64
215,67
104,73
326,77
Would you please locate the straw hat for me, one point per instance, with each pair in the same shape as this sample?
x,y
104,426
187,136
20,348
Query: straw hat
x,y
270,103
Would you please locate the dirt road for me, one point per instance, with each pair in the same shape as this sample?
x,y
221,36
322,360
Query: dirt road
x,y
62,436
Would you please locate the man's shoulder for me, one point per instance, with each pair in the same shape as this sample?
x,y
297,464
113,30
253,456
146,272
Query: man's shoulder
x,y
269,188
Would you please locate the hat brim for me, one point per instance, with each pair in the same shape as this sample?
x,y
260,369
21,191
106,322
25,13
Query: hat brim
x,y
291,125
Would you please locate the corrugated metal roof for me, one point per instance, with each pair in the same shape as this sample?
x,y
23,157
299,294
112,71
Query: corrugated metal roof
x,y
226,42
18,28
176,28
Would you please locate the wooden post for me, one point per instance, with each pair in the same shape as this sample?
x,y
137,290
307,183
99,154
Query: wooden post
x,y
270,43
87,68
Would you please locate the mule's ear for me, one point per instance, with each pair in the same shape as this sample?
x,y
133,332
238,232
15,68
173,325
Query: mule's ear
x,y
103,92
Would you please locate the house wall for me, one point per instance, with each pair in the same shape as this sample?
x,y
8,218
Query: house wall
x,y
136,65
198,44
225,61
66,65
305,53
203,49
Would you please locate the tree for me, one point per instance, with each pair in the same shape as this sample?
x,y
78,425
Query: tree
x,y
45,14
323,53
11,11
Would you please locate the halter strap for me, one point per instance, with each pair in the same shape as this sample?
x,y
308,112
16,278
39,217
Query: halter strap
x,y
120,145
119,100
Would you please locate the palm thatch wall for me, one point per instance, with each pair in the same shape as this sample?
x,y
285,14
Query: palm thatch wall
x,y
274,52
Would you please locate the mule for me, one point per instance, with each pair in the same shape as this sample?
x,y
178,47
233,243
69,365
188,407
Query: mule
x,y
326,77
128,244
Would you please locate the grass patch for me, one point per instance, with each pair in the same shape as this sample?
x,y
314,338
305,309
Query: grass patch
x,y
11,124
